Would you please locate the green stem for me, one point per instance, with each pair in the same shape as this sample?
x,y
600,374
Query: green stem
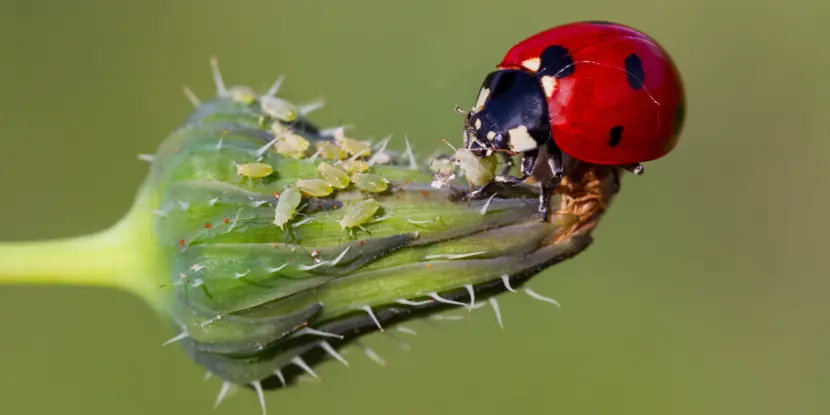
x,y
117,257
93,260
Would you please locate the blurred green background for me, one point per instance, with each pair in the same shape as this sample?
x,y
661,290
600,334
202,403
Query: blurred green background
x,y
705,292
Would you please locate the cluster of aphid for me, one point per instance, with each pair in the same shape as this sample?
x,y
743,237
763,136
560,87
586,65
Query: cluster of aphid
x,y
347,164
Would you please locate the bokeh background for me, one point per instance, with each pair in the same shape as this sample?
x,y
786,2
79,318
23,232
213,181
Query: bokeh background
x,y
705,292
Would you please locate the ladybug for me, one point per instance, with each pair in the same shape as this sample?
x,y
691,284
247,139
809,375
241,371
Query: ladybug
x,y
598,92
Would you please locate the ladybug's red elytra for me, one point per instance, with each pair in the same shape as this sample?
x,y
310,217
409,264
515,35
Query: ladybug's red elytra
x,y
600,92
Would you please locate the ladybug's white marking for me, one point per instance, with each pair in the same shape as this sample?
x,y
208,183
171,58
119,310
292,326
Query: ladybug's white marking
x,y
478,124
520,139
491,135
482,98
549,85
532,64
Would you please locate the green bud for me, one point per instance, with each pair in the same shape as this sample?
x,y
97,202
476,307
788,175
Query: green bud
x,y
262,276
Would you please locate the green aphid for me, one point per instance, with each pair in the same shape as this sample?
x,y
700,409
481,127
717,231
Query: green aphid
x,y
334,176
442,166
278,108
287,206
292,145
359,213
478,170
351,146
254,170
242,94
370,182
315,187
331,151
354,166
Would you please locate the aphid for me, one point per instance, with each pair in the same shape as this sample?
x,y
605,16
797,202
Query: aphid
x,y
242,94
359,213
351,146
479,171
370,182
354,166
292,145
441,165
330,151
381,158
287,206
334,176
314,187
278,108
444,172
254,170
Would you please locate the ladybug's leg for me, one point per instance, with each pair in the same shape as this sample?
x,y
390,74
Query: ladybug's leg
x,y
477,193
528,162
508,163
557,170
557,167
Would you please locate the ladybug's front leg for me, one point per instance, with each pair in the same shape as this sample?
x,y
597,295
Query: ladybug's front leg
x,y
528,162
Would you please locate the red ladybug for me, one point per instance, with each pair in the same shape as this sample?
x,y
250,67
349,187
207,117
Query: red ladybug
x,y
600,92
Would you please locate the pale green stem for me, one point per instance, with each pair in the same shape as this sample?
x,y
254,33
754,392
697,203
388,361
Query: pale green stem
x,y
118,257
94,260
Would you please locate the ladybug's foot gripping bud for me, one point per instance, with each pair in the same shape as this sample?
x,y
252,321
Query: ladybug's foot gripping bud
x,y
635,168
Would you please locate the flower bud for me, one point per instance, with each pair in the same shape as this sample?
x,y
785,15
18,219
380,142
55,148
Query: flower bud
x,y
270,274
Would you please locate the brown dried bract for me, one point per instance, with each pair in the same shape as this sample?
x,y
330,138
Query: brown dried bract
x,y
584,194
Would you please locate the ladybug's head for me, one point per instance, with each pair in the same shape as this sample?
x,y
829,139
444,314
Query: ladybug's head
x,y
511,113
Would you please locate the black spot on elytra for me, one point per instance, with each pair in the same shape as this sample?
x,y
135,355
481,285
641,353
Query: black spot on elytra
x,y
679,117
616,136
556,62
634,69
